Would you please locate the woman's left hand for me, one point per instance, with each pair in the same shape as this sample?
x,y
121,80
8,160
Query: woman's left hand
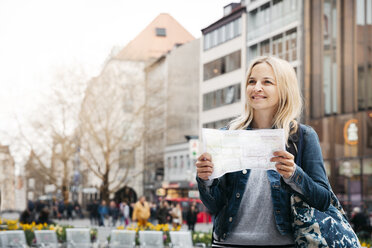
x,y
285,164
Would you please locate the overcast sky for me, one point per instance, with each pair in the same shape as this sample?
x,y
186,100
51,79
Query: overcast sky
x,y
38,36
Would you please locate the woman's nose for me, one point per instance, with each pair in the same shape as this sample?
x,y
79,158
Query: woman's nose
x,y
258,86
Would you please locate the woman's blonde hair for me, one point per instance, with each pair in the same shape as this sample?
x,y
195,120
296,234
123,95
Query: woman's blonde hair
x,y
290,100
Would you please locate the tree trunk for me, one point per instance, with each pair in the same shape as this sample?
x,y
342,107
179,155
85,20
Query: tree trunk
x,y
105,194
65,186
65,192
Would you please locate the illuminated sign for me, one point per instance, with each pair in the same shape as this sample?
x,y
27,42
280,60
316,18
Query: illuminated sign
x,y
351,132
160,192
194,149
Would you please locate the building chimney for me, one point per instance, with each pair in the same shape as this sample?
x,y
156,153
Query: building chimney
x,y
229,8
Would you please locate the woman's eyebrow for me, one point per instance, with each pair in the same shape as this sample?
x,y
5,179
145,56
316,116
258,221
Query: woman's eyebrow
x,y
263,78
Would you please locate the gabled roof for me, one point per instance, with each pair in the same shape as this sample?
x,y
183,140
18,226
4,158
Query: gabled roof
x,y
148,45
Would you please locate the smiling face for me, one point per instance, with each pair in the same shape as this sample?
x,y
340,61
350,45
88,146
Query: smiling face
x,y
262,90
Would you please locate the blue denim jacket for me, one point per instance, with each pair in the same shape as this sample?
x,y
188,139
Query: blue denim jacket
x,y
223,197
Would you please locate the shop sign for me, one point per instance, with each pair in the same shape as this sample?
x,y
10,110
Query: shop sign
x,y
160,192
194,148
351,132
170,185
90,190
193,194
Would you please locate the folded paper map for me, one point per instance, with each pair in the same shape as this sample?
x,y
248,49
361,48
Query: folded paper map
x,y
236,150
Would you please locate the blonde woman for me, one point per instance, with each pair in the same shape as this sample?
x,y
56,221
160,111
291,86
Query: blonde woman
x,y
177,215
252,207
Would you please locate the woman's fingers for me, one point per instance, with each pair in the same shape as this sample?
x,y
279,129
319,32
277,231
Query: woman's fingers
x,y
285,164
205,156
284,154
284,170
285,161
204,166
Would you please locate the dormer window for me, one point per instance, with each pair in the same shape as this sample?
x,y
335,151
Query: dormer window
x,y
161,32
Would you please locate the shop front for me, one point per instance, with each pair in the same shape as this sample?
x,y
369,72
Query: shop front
x,y
346,142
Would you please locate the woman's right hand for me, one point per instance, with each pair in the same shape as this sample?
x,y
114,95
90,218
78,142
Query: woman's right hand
x,y
204,166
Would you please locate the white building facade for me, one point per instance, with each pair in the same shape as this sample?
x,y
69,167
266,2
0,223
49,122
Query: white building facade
x,y
7,180
247,30
275,27
171,116
223,63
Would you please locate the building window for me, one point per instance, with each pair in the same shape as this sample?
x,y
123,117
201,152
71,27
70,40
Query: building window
x,y
206,39
222,65
252,52
283,46
175,162
222,34
272,16
169,163
126,158
364,53
265,9
181,162
221,97
265,48
237,28
291,45
218,124
252,23
278,46
161,32
277,9
329,57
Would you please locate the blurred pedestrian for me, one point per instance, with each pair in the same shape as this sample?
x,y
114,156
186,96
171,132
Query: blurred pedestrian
x,y
114,213
61,210
191,217
103,212
176,213
55,208
358,219
77,210
44,217
162,214
124,210
92,208
152,213
69,209
141,211
30,205
27,217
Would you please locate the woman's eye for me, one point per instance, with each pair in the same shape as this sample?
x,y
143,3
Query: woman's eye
x,y
251,82
268,82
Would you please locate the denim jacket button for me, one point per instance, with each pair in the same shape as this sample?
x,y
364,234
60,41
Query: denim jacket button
x,y
244,171
237,195
230,219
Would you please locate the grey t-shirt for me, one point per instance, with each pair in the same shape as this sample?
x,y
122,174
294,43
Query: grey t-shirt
x,y
255,223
